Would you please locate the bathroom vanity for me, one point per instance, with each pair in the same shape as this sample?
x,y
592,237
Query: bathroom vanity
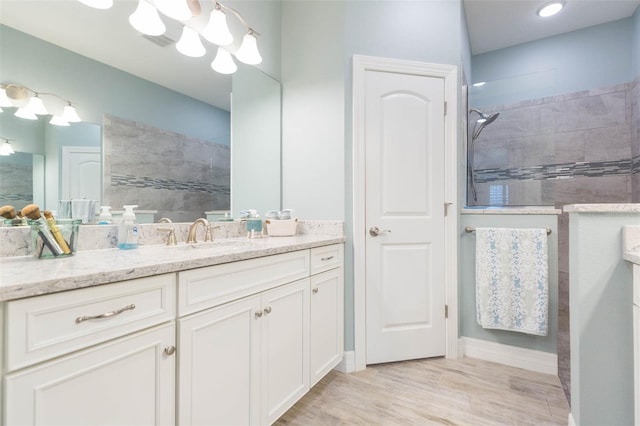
x,y
229,332
631,253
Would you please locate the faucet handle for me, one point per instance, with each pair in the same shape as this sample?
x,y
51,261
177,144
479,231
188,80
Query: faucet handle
x,y
208,235
171,239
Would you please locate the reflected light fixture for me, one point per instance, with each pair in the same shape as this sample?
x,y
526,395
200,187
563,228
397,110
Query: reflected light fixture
x,y
6,148
550,9
58,120
479,84
146,19
175,9
223,62
98,4
217,31
26,114
4,99
248,51
69,113
190,44
36,106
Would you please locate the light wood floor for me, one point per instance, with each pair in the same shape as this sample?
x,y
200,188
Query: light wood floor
x,y
435,391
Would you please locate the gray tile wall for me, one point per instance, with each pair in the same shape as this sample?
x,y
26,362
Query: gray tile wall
x,y
581,147
181,177
16,180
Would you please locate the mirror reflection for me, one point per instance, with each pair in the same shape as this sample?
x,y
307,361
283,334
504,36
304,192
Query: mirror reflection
x,y
179,146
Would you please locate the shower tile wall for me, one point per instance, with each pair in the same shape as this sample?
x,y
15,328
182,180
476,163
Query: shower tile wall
x,y
582,147
178,176
16,180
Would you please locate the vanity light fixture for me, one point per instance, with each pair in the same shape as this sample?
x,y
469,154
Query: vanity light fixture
x,y
190,43
16,95
6,148
217,30
248,51
223,62
550,9
146,19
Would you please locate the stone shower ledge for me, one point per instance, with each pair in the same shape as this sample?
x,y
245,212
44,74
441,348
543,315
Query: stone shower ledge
x,y
603,208
524,210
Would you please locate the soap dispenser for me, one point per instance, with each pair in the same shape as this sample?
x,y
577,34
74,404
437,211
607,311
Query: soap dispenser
x,y
128,229
105,215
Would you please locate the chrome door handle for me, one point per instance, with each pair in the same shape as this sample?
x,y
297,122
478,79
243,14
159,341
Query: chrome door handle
x,y
375,231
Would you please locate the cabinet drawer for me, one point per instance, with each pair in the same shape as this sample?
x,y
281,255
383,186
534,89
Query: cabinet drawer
x,y
43,327
203,288
326,258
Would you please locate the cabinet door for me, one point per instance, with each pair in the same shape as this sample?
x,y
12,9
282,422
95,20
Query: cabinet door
x,y
127,381
327,324
285,348
218,363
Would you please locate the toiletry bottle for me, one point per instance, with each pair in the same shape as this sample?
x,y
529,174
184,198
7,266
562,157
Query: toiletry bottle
x,y
105,215
128,230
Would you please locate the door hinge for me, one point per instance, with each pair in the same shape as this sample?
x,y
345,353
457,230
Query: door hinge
x,y
446,311
445,108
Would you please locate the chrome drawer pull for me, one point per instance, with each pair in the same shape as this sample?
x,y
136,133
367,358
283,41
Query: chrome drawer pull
x,y
106,314
324,259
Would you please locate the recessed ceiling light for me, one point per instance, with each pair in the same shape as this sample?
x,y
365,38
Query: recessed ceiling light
x,y
550,9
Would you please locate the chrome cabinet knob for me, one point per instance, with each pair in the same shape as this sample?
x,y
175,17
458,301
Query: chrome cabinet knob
x,y
315,290
169,350
258,314
267,310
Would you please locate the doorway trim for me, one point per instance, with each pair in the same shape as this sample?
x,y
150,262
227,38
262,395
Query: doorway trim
x,y
449,74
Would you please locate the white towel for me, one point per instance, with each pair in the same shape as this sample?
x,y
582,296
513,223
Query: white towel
x,y
512,280
84,209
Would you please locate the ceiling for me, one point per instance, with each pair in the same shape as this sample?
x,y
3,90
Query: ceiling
x,y
107,37
496,24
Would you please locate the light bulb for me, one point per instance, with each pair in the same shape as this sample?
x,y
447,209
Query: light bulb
x,y
223,62
217,31
26,114
69,113
146,19
58,120
98,4
248,51
190,44
176,9
36,106
4,99
6,148
550,9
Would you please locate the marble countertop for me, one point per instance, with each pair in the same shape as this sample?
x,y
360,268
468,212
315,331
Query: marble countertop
x,y
603,208
631,243
27,276
524,210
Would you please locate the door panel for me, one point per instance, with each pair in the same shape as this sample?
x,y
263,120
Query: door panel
x,y
405,294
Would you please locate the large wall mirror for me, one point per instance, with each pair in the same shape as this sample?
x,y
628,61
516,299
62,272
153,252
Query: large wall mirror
x,y
235,144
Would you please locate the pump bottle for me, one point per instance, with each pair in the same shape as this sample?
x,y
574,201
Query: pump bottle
x,y
128,229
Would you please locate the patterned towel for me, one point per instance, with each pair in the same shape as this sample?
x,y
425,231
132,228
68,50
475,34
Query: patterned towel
x,y
512,279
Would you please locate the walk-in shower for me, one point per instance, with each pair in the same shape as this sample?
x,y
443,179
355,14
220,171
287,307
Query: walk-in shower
x,y
483,121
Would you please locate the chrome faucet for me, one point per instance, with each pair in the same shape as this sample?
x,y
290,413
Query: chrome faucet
x,y
191,238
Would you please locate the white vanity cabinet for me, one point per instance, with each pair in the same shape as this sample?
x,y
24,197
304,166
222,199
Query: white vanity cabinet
x,y
92,356
327,310
244,361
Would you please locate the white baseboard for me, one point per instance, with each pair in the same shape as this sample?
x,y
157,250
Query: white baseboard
x,y
528,359
571,422
348,363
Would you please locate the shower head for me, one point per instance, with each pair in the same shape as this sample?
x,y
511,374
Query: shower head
x,y
483,121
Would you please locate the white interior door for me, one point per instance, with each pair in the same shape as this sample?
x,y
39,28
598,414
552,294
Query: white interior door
x,y
405,181
81,173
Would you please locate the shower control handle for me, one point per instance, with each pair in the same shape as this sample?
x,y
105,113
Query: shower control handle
x,y
375,231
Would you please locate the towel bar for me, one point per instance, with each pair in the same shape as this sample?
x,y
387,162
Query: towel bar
x,y
469,229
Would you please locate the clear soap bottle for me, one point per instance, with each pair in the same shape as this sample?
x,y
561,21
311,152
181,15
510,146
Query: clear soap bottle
x,y
128,229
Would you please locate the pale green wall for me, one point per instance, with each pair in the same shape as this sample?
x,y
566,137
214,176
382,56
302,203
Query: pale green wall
x,y
601,320
466,291
319,39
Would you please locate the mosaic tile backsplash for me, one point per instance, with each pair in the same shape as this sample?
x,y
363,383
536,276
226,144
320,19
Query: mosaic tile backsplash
x,y
178,176
573,148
